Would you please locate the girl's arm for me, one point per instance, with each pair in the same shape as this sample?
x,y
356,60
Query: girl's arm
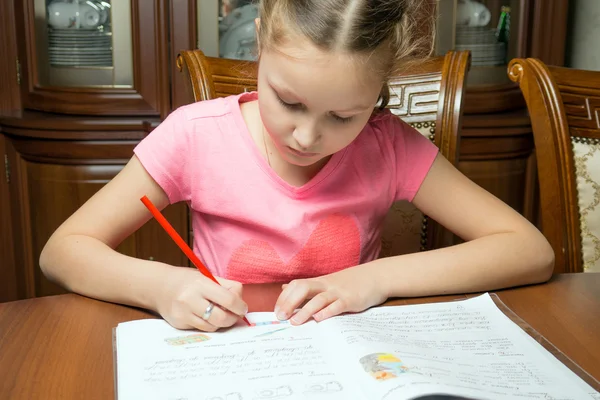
x,y
502,249
80,256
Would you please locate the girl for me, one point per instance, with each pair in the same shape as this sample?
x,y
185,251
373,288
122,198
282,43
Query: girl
x,y
291,184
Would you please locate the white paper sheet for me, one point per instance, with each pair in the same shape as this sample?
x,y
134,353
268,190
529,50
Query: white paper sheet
x,y
278,361
467,348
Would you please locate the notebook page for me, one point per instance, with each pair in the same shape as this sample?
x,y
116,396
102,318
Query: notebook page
x,y
468,348
272,361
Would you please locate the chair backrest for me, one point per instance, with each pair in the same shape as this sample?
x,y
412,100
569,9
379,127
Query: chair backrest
x,y
429,97
564,107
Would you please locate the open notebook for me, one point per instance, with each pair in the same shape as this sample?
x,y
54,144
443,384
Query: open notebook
x,y
475,349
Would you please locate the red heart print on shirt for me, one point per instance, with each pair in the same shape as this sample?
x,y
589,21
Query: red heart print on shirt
x,y
332,246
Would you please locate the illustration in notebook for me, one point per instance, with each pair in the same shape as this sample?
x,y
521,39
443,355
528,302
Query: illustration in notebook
x,y
382,366
188,339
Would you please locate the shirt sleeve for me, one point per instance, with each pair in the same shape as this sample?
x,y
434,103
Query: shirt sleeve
x,y
414,156
165,154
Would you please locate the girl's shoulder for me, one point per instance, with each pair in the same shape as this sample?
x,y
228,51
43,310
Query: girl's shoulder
x,y
389,126
204,121
213,108
386,120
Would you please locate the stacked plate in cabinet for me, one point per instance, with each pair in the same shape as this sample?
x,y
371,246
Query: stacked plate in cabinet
x,y
80,48
485,48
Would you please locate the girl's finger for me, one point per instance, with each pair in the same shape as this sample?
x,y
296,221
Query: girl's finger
x,y
315,304
294,295
196,322
218,317
227,299
335,308
233,286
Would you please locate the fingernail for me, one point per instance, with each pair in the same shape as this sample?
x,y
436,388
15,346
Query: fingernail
x,y
281,315
295,321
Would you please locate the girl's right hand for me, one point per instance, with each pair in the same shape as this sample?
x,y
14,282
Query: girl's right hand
x,y
186,295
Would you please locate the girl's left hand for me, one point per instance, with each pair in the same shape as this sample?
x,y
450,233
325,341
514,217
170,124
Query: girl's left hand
x,y
351,290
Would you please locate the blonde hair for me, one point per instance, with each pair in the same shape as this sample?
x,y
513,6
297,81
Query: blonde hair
x,y
388,32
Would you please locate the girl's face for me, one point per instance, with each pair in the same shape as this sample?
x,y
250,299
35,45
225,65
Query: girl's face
x,y
314,103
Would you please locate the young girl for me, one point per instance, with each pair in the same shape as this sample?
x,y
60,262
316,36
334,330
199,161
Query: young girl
x,y
291,184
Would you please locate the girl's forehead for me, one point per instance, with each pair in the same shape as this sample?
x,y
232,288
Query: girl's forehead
x,y
303,59
297,48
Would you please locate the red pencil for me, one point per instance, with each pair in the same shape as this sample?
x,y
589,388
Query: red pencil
x,y
180,242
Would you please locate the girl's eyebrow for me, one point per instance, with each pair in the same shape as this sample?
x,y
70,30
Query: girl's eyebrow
x,y
359,107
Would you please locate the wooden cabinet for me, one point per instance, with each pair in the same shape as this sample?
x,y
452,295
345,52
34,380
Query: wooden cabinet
x,y
67,128
9,283
78,98
49,180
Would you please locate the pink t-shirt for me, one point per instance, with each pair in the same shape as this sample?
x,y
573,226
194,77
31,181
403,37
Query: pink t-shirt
x,y
249,224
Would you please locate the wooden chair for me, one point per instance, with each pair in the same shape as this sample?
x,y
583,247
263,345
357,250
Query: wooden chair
x,y
428,97
564,107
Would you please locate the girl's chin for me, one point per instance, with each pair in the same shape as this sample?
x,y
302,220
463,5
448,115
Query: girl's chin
x,y
303,162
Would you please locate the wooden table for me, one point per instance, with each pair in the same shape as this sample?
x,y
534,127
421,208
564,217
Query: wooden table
x,y
60,347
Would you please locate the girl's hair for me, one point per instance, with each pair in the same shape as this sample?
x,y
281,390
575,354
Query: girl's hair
x,y
392,33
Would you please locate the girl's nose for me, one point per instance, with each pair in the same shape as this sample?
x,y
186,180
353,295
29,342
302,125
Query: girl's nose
x,y
306,137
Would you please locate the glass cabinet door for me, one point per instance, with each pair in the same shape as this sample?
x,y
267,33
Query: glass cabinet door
x,y
84,43
491,29
112,53
226,28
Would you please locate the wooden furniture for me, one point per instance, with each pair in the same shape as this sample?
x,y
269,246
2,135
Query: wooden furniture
x,y
211,77
61,346
564,105
59,144
56,164
428,97
8,278
62,139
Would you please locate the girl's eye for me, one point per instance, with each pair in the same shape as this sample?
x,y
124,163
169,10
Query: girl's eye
x,y
341,119
296,106
300,106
